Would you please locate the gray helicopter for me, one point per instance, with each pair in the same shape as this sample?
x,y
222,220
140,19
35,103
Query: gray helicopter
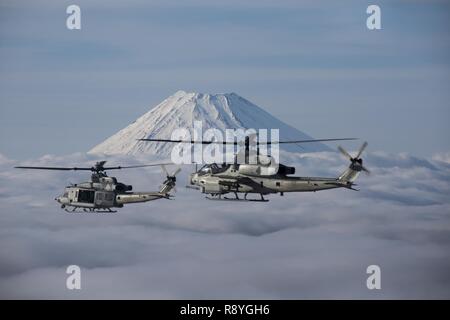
x,y
103,193
265,176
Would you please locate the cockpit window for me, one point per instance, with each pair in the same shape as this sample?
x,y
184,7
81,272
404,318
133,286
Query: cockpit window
x,y
213,168
205,169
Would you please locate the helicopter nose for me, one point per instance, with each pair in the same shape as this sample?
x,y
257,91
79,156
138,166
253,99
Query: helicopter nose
x,y
191,178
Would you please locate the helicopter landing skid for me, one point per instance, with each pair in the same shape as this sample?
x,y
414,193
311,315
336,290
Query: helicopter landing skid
x,y
257,200
234,199
219,198
90,210
104,211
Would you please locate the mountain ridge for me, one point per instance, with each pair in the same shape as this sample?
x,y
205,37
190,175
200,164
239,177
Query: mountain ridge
x,y
180,110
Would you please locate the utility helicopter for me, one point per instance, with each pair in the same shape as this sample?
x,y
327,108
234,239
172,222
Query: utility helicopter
x,y
103,193
264,176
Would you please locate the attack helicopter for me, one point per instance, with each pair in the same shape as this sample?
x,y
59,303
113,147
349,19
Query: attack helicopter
x,y
103,193
263,175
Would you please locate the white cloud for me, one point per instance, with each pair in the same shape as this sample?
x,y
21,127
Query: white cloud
x,y
442,157
297,246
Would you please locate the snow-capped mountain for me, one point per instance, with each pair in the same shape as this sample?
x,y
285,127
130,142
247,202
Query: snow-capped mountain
x,y
220,111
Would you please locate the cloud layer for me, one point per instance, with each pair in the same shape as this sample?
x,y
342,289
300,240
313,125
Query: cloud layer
x,y
312,245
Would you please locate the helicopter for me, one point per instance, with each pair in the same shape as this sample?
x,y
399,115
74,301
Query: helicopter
x,y
264,176
103,193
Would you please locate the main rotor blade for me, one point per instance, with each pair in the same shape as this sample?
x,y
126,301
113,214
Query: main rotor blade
x,y
90,168
243,142
364,145
309,141
344,152
137,166
185,141
53,168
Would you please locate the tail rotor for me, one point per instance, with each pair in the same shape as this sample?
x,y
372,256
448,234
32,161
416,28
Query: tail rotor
x,y
356,162
170,182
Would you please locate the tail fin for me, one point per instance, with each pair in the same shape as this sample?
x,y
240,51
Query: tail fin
x,y
356,165
168,185
349,175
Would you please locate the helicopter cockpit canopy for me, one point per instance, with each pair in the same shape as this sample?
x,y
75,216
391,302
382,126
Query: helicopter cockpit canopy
x,y
213,168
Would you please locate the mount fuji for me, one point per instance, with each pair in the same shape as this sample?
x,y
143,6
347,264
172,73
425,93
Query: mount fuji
x,y
219,111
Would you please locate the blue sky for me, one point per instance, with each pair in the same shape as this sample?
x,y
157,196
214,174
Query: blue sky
x,y
313,64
